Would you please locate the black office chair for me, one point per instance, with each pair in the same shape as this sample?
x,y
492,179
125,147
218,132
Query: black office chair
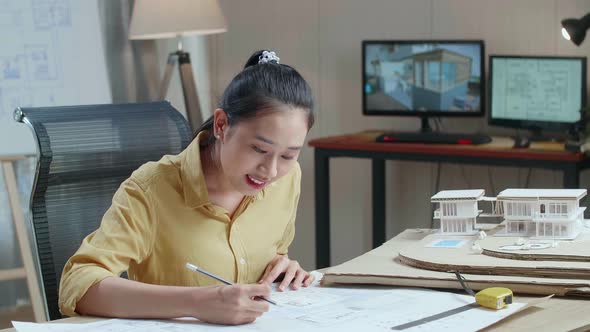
x,y
84,153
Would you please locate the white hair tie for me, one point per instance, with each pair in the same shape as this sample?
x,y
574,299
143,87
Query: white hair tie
x,y
268,57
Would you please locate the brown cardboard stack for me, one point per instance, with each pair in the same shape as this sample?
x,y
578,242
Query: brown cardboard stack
x,y
385,265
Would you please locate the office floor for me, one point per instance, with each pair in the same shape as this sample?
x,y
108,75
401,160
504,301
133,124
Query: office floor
x,y
23,313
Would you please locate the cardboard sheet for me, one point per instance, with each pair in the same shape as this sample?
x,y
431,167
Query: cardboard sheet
x,y
379,266
577,250
422,254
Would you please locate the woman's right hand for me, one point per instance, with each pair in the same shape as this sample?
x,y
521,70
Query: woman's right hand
x,y
232,305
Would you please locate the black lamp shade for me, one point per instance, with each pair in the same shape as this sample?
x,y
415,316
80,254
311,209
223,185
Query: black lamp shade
x,y
576,28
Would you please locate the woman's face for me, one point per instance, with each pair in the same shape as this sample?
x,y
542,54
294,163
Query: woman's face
x,y
258,151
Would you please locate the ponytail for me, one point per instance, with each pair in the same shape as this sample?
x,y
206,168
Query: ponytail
x,y
261,86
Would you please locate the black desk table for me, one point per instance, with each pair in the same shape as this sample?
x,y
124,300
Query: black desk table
x,y
363,145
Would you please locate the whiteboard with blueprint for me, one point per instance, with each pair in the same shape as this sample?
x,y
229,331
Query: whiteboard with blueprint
x,y
51,53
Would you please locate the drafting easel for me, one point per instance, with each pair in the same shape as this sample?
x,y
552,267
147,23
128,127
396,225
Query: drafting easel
x,y
27,271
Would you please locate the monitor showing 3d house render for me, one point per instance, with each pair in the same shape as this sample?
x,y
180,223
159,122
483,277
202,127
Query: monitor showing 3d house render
x,y
537,93
423,78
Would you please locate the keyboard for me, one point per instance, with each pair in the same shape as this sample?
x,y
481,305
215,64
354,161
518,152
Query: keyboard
x,y
434,138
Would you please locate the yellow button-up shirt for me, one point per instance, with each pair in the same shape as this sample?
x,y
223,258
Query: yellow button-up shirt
x,y
161,218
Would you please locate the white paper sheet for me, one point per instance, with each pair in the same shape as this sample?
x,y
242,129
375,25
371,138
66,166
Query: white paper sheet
x,y
325,309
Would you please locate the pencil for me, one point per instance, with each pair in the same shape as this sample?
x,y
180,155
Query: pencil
x,y
211,275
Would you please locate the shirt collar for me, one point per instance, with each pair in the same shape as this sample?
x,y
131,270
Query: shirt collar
x,y
191,171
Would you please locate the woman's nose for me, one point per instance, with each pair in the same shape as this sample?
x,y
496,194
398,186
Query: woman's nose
x,y
269,168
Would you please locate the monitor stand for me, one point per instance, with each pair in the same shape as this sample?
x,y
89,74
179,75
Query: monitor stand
x,y
537,135
425,125
427,136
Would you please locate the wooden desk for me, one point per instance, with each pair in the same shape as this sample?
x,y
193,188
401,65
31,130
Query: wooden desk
x,y
363,145
556,314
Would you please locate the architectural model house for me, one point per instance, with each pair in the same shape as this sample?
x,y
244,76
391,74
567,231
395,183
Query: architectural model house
x,y
457,210
536,213
542,213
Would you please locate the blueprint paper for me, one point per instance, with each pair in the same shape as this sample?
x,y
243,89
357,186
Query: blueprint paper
x,y
324,309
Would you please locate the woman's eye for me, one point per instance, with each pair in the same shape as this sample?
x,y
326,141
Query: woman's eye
x,y
288,157
257,149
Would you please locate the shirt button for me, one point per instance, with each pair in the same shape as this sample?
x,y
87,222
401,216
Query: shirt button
x,y
242,261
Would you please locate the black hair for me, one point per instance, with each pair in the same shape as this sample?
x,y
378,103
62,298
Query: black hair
x,y
262,87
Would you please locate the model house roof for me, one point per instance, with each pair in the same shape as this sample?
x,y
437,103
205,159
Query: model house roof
x,y
457,195
561,194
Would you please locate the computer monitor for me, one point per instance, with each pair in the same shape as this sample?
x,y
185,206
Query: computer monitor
x,y
423,78
537,93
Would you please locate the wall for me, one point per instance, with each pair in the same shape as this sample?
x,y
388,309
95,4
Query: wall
x,y
322,39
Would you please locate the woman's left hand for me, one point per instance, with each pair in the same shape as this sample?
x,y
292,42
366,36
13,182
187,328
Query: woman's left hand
x,y
294,274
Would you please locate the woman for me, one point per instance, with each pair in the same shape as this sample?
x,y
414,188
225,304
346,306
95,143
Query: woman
x,y
227,204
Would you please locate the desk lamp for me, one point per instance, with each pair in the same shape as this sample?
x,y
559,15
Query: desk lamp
x,y
575,29
157,19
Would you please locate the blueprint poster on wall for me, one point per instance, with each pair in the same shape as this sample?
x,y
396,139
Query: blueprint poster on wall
x,y
51,53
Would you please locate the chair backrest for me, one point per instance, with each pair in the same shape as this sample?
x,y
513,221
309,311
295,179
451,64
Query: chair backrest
x,y
84,153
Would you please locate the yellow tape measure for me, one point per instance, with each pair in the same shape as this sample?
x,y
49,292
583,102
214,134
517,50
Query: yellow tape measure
x,y
494,297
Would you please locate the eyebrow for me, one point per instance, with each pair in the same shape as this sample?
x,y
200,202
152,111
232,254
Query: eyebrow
x,y
266,140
